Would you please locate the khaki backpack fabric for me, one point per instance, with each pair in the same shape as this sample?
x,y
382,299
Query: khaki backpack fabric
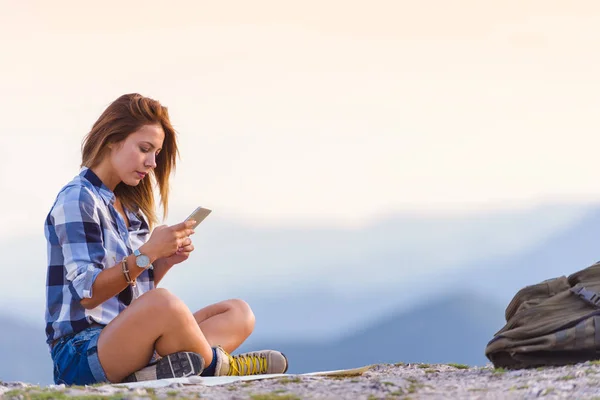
x,y
555,322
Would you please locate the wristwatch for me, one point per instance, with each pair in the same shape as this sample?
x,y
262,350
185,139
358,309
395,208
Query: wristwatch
x,y
141,260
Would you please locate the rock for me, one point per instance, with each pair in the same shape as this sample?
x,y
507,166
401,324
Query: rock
x,y
580,381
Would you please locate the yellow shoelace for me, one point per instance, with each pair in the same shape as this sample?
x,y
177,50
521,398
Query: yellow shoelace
x,y
247,364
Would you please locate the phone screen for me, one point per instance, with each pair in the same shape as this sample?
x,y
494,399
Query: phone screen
x,y
198,215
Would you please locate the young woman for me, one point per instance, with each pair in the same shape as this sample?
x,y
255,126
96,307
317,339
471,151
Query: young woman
x,y
105,320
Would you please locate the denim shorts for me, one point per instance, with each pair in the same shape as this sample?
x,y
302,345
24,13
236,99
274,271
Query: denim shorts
x,y
76,360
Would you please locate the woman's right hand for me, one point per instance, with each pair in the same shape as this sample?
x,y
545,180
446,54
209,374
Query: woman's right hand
x,y
165,240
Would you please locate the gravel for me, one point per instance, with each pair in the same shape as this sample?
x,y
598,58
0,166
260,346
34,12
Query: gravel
x,y
382,381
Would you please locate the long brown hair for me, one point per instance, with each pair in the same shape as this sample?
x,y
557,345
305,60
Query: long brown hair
x,y
124,116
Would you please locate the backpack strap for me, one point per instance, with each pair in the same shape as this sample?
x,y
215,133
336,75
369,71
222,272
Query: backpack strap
x,y
589,296
597,331
580,333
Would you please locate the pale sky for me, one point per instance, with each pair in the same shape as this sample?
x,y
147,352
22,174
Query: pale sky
x,y
324,111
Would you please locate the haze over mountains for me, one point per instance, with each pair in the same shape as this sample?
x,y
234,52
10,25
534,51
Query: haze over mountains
x,y
332,298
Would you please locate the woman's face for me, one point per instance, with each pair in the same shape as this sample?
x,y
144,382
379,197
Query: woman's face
x,y
133,158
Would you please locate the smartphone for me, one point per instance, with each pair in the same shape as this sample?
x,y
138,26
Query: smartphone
x,y
198,215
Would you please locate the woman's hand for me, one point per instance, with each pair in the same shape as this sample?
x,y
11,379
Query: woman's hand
x,y
163,265
170,241
182,253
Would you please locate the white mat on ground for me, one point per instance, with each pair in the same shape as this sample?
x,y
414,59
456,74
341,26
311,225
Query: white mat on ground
x,y
223,380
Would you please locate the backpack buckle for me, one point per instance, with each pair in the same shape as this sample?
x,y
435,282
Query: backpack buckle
x,y
589,296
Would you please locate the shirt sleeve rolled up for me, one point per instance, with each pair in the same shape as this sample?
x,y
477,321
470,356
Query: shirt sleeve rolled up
x,y
79,235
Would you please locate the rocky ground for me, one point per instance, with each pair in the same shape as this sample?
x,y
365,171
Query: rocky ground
x,y
386,381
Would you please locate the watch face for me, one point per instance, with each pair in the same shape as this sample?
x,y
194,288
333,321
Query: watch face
x,y
142,261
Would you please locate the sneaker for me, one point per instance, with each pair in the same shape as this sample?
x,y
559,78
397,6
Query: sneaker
x,y
176,365
253,363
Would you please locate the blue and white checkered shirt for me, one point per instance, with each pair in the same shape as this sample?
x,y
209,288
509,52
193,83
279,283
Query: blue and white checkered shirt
x,y
86,234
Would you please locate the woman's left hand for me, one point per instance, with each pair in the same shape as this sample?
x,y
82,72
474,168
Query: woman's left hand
x,y
182,253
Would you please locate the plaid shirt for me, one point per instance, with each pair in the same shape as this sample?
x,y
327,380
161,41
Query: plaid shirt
x,y
86,234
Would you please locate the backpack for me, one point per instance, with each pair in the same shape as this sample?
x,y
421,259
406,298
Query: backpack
x,y
555,322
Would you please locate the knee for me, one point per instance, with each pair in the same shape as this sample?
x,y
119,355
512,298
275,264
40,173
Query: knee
x,y
166,303
244,314
159,295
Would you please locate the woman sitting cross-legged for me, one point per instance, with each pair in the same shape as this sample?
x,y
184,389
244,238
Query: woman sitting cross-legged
x,y
105,320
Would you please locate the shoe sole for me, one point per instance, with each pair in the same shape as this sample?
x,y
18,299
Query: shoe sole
x,y
176,365
286,363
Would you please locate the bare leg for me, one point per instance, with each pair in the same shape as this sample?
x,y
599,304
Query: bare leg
x,y
227,323
157,321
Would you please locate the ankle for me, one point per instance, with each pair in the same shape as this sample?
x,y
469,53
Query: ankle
x,y
211,368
